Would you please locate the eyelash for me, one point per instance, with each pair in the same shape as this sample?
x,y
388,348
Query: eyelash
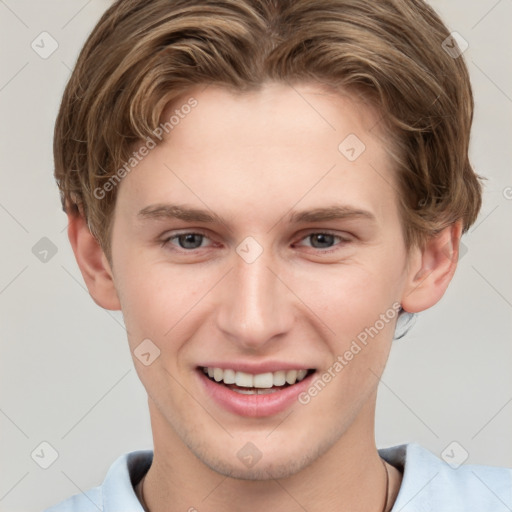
x,y
342,240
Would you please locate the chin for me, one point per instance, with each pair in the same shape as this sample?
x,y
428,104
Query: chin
x,y
273,464
262,471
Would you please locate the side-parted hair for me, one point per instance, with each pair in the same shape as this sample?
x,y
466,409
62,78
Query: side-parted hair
x,y
144,54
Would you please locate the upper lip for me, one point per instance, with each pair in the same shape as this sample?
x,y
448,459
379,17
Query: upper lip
x,y
256,368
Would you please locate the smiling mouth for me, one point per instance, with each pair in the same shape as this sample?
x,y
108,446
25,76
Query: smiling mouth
x,y
255,384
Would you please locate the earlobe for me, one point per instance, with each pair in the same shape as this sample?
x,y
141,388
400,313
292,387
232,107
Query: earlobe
x,y
432,269
93,263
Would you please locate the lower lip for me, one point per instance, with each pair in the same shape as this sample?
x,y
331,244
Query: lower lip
x,y
254,405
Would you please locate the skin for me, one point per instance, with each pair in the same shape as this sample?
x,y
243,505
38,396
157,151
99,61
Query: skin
x,y
253,159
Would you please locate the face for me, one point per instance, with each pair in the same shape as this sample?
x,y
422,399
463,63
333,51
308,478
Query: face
x,y
259,250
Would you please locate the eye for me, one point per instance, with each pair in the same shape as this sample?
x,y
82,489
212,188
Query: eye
x,y
186,240
324,240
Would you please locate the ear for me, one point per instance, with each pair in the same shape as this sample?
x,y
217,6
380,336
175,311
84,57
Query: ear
x,y
92,262
431,269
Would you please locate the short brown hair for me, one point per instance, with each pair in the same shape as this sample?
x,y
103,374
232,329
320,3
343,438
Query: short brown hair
x,y
141,55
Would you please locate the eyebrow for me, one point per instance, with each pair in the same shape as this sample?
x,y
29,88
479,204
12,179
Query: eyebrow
x,y
171,211
330,213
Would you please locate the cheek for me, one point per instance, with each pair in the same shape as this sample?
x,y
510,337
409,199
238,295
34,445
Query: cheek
x,y
360,309
158,300
351,296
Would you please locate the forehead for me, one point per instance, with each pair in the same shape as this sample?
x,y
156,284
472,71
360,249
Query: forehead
x,y
265,150
276,115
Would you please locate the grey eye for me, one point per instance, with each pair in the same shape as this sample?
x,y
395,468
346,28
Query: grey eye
x,y
190,240
321,240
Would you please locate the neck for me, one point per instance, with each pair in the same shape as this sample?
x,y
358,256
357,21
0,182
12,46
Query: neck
x,y
349,476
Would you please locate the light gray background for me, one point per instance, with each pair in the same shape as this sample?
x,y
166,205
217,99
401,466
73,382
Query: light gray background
x,y
66,373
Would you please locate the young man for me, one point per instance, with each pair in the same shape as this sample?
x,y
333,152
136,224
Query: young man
x,y
265,188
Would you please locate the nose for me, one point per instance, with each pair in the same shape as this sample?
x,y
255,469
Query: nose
x,y
256,307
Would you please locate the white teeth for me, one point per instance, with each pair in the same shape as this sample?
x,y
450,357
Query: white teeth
x,y
247,391
263,380
260,381
280,378
244,379
255,391
301,374
291,376
229,377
